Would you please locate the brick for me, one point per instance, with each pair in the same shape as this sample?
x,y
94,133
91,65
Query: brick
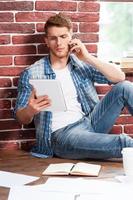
x,y
88,27
125,111
6,17
17,50
101,96
17,28
9,124
40,27
5,82
4,39
84,17
32,17
11,71
26,60
31,125
128,129
5,104
6,114
116,129
91,38
125,120
129,77
88,7
23,5
5,61
55,6
75,27
8,93
15,81
9,145
103,89
43,49
17,135
27,145
131,135
92,48
28,39
13,103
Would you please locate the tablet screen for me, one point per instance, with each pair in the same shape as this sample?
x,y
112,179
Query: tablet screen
x,y
53,89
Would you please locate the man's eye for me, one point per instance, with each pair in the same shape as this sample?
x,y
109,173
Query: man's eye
x,y
64,36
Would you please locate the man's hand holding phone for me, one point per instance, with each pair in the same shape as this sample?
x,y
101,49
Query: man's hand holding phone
x,y
79,49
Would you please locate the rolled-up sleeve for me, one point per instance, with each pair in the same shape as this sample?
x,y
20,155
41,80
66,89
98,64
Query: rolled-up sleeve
x,y
24,91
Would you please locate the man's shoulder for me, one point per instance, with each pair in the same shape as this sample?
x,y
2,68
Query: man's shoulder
x,y
37,64
36,69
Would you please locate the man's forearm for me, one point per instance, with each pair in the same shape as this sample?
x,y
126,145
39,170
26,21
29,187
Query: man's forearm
x,y
24,116
110,71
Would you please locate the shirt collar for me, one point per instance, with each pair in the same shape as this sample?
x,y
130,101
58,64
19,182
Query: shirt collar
x,y
73,62
48,69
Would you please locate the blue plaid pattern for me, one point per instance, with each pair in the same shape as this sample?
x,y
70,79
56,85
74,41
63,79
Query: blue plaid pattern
x,y
84,76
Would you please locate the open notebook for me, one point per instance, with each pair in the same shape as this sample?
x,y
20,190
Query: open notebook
x,y
80,169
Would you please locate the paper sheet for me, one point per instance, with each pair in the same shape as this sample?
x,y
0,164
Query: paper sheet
x,y
9,179
34,193
125,179
72,189
90,189
80,184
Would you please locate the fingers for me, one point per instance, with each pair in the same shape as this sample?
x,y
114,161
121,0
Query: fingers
x,y
74,42
38,103
79,49
75,45
42,98
75,49
41,104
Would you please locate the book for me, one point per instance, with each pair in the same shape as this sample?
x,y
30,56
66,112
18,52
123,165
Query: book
x,y
127,65
79,169
127,62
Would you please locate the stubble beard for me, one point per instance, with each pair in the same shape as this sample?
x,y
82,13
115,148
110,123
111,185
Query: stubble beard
x,y
58,55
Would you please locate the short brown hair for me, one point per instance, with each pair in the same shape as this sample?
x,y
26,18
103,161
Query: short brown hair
x,y
59,20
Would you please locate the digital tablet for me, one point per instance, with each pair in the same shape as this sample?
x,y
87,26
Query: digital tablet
x,y
53,89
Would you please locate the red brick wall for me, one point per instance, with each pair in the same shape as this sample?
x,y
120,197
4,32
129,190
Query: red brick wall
x,y
21,44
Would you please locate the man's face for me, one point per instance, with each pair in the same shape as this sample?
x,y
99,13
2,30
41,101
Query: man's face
x,y
57,39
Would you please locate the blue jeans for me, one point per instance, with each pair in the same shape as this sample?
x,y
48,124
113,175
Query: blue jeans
x,y
88,137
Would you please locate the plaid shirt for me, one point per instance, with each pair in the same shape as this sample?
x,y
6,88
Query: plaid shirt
x,y
84,76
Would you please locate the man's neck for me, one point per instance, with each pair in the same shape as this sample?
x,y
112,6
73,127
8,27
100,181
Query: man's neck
x,y
58,63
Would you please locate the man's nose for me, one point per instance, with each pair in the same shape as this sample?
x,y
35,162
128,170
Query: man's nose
x,y
58,40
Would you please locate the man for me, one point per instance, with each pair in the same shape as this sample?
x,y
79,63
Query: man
x,y
82,131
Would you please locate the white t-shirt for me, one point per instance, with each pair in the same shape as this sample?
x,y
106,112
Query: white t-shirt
x,y
74,111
